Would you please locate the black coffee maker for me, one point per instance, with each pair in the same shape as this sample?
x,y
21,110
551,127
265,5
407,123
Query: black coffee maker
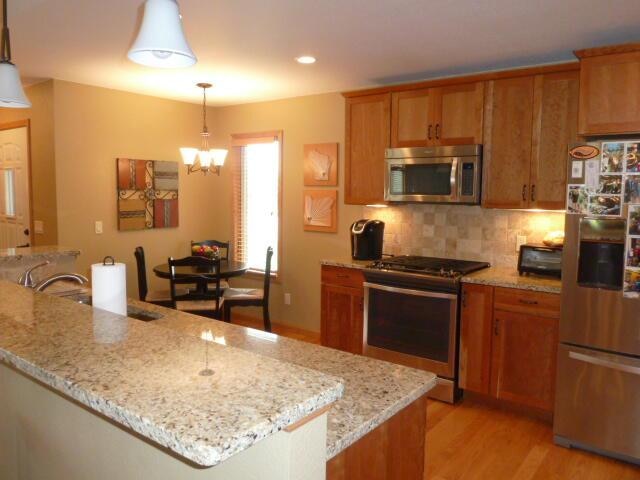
x,y
366,239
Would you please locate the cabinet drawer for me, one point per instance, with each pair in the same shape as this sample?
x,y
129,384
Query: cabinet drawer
x,y
345,277
526,301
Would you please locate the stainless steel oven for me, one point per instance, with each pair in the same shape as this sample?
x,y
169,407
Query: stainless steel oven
x,y
434,174
413,327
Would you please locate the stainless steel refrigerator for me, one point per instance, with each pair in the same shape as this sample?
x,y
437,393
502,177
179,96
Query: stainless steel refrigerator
x,y
598,378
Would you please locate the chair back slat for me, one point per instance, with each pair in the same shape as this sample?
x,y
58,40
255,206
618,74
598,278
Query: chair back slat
x,y
267,274
195,261
143,289
224,246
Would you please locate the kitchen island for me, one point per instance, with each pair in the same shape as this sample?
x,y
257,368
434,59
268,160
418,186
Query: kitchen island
x,y
143,377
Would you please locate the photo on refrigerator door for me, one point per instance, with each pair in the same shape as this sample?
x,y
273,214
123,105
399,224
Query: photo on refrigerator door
x,y
632,189
604,205
577,199
633,252
634,220
632,157
631,288
610,184
612,157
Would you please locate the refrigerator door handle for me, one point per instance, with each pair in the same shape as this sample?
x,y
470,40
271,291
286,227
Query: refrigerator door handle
x,y
601,361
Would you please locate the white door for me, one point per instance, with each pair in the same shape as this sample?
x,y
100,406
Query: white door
x,y
15,207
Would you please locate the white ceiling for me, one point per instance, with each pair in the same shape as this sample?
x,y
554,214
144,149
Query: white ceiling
x,y
246,47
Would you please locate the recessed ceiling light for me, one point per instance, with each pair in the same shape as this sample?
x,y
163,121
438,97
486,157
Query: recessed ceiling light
x,y
306,59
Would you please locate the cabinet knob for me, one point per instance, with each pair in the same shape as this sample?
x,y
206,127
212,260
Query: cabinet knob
x,y
496,327
528,302
524,192
429,133
437,131
533,193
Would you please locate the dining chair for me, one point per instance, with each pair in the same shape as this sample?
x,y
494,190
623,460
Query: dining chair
x,y
209,305
251,297
223,246
159,297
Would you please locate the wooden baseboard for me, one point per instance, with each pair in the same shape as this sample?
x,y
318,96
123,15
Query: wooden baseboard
x,y
277,328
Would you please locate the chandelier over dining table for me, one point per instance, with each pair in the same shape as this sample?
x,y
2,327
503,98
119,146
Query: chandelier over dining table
x,y
204,159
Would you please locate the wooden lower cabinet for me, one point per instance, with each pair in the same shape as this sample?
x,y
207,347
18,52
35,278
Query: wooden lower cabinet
x,y
394,450
342,309
523,364
508,344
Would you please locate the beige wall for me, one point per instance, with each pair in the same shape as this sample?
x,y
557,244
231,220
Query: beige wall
x,y
311,119
94,126
43,175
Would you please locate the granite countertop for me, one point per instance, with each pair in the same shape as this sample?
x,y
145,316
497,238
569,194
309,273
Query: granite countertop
x,y
509,278
374,390
145,377
45,252
346,262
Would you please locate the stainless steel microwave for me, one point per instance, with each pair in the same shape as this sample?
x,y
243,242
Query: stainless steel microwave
x,y
434,174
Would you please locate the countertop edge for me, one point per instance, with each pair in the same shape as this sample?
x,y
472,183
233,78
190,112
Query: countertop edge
x,y
509,284
355,264
205,456
347,441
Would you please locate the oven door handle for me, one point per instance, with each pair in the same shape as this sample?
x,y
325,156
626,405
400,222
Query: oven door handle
x,y
410,291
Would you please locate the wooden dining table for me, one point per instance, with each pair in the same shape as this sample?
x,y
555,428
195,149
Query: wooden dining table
x,y
202,276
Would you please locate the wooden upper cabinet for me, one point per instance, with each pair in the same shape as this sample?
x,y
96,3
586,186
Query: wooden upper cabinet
x,y
609,90
459,114
476,332
368,129
411,118
450,115
508,117
555,123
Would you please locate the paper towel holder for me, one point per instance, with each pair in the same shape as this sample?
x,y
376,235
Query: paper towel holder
x,y
106,259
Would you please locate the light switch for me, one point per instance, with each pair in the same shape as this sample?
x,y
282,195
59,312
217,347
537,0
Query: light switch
x,y
98,227
287,299
38,226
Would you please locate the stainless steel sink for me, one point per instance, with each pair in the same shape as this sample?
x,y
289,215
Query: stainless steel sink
x,y
132,311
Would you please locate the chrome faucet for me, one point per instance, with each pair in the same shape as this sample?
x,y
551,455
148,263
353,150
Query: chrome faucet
x,y
26,279
56,277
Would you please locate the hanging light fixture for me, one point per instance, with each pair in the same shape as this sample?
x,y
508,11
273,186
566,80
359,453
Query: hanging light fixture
x,y
204,159
11,92
161,41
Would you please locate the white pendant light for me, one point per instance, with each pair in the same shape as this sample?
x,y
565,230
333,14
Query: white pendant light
x,y
11,92
201,159
161,41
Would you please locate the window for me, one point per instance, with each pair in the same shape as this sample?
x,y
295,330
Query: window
x,y
257,199
9,192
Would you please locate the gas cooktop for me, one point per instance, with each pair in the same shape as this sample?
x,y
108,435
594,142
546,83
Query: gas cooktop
x,y
440,267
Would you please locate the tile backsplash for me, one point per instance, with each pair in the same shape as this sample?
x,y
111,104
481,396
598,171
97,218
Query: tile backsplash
x,y
459,231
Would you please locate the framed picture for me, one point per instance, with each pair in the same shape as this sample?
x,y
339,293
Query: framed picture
x,y
147,194
612,157
320,209
321,165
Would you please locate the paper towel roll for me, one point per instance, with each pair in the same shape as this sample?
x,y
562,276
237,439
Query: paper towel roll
x,y
109,287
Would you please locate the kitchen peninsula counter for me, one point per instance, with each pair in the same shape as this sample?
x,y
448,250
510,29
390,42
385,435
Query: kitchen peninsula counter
x,y
146,379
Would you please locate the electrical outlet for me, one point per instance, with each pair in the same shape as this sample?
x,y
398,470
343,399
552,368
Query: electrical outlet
x,y
287,299
520,240
38,226
98,227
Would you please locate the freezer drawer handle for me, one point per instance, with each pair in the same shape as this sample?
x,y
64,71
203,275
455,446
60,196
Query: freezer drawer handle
x,y
604,363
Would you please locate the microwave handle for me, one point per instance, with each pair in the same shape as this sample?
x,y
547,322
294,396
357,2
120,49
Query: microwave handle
x,y
455,182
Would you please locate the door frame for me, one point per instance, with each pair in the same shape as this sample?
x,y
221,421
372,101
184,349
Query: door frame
x,y
26,123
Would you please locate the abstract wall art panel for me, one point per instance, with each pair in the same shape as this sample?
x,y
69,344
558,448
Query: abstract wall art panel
x,y
321,164
147,194
320,210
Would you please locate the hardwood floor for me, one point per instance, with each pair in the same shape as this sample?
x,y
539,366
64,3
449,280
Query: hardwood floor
x,y
470,440
474,441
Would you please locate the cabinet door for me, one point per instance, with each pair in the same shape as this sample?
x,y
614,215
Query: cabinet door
x,y
368,125
610,94
523,367
475,337
342,318
508,115
458,114
411,118
555,124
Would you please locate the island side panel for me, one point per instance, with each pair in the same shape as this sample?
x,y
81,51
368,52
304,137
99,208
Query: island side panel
x,y
46,435
395,449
